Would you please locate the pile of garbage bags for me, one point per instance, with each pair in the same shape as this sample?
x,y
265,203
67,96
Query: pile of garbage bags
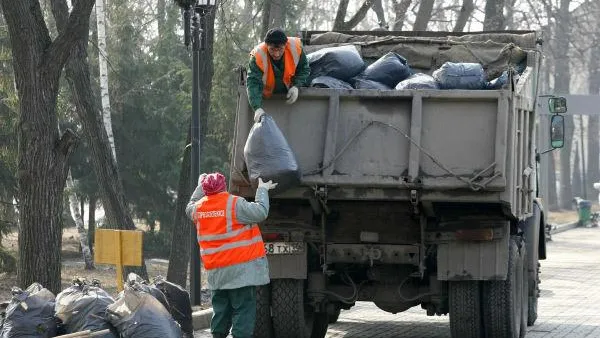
x,y
342,67
158,310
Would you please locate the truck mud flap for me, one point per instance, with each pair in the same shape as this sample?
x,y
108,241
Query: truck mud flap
x,y
292,266
474,260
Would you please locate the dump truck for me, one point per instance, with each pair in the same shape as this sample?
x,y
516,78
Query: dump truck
x,y
407,197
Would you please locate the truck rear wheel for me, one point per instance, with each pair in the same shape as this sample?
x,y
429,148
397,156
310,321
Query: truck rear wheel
x,y
502,300
292,317
263,327
334,318
465,309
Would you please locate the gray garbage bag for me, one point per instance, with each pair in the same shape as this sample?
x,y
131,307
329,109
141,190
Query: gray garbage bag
x,y
138,283
418,81
30,314
329,82
137,314
388,69
179,302
360,83
269,156
460,76
342,62
82,306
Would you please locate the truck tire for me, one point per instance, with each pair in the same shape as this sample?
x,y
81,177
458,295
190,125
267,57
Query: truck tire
x,y
292,318
502,300
534,294
334,318
465,309
263,327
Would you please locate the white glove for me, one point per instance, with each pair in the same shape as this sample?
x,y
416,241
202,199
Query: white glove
x,y
258,114
292,95
268,185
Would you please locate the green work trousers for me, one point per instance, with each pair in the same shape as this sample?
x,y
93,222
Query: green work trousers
x,y
234,309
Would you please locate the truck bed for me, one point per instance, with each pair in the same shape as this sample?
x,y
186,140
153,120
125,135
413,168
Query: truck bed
x,y
431,145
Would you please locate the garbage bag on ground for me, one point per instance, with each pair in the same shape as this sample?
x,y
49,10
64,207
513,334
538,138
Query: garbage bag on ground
x,y
342,62
329,82
179,302
30,314
388,69
138,314
418,81
498,82
360,83
269,156
82,306
137,282
460,76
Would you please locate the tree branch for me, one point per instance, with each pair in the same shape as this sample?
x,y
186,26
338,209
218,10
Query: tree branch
x,y
67,142
358,16
400,10
75,27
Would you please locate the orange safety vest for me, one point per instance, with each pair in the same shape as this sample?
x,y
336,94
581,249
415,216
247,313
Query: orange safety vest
x,y
291,57
223,240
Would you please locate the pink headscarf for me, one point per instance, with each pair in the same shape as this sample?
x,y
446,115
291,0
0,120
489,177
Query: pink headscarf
x,y
212,183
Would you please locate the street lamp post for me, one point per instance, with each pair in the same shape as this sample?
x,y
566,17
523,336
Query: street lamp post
x,y
194,12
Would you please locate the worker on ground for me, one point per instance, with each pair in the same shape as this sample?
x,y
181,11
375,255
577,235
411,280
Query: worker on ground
x,y
277,66
232,251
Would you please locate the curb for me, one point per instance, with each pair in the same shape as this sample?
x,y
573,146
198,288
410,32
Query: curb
x,y
201,319
564,227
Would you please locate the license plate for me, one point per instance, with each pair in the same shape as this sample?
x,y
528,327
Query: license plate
x,y
284,248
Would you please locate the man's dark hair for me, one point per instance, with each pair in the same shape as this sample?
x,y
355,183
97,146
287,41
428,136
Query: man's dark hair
x,y
275,36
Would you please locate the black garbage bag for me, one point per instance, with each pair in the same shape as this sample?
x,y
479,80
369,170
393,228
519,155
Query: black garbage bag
x,y
342,62
460,76
136,282
179,302
329,82
360,83
138,314
418,81
498,82
269,156
82,306
388,69
30,314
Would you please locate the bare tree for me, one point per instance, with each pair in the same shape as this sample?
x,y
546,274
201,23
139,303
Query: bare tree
x,y
494,15
378,9
593,165
466,10
105,168
423,15
43,153
341,25
400,9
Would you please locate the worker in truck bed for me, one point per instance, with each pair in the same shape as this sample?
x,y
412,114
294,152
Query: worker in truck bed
x,y
232,251
277,66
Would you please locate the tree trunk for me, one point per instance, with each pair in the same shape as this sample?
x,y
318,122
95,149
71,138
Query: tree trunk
x,y
423,15
76,214
577,182
494,15
510,14
562,79
274,15
102,55
593,164
179,256
400,9
378,9
42,152
105,168
341,25
552,195
463,16
92,222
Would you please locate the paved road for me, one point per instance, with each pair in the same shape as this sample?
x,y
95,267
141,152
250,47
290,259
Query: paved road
x,y
569,306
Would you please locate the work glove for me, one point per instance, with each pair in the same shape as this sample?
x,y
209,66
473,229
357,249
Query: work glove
x,y
292,95
268,185
258,114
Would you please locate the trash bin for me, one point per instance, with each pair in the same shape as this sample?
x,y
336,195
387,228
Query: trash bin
x,y
584,212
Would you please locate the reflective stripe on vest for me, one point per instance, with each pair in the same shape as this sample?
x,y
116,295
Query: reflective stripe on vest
x,y
223,240
292,53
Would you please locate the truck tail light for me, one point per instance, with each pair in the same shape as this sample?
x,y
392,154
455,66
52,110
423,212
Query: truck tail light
x,y
475,234
272,237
